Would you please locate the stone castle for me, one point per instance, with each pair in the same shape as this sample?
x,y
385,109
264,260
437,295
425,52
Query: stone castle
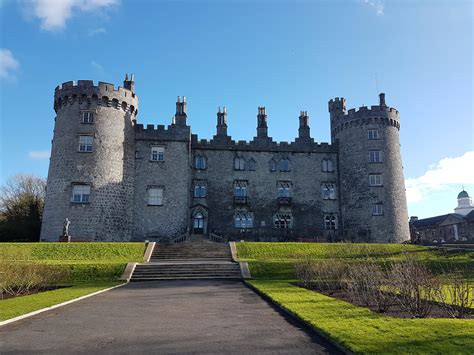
x,y
116,180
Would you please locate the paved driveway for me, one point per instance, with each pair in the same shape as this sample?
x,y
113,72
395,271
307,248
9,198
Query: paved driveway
x,y
163,317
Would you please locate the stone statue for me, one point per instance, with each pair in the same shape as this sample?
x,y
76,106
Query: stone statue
x,y
67,222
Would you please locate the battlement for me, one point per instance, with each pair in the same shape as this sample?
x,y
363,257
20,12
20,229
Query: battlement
x,y
103,94
170,133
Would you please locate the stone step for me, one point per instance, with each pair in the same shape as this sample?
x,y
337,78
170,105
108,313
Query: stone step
x,y
185,278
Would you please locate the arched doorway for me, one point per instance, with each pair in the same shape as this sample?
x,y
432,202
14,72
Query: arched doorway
x,y
198,223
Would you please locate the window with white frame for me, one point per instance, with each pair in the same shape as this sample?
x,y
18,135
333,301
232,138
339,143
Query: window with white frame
x,y
252,164
243,220
81,193
200,189
375,179
284,188
327,165
239,163
284,164
377,209
157,154
200,162
375,156
282,220
155,196
87,117
85,143
330,222
373,134
240,188
328,190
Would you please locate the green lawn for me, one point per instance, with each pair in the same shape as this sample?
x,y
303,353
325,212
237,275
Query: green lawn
x,y
356,328
89,268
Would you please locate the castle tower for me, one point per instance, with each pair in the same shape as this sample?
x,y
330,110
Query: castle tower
x,y
222,122
262,128
181,115
303,130
372,188
91,172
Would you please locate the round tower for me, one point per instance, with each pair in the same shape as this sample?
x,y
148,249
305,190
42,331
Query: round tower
x,y
372,187
91,171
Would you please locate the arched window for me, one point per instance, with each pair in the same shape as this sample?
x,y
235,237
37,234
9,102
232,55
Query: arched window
x,y
272,165
285,164
200,162
330,222
327,165
252,164
239,163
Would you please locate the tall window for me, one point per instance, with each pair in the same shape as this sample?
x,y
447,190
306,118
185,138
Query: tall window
x,y
200,162
85,144
240,188
282,220
327,165
157,154
284,188
243,220
87,117
375,156
272,165
239,163
284,164
330,222
252,164
373,134
81,193
377,209
375,179
155,196
328,191
200,189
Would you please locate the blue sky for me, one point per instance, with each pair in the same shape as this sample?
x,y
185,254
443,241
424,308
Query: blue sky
x,y
285,55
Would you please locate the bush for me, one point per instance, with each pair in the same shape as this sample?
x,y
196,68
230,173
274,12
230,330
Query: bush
x,y
456,297
320,274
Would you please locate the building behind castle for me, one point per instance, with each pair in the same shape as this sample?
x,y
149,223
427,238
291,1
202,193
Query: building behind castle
x,y
116,180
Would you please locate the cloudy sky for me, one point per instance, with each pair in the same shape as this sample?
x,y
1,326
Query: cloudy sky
x,y
285,55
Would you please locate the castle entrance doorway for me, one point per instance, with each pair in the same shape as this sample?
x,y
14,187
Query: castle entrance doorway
x,y
198,223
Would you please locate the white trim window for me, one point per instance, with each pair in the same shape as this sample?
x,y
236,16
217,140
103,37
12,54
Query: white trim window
x,y
200,189
330,222
88,117
375,156
284,164
327,165
200,162
155,196
284,188
157,154
243,220
85,143
377,209
282,220
373,134
239,163
328,191
240,188
81,193
375,179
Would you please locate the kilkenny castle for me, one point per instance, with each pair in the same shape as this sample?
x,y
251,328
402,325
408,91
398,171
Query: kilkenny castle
x,y
118,180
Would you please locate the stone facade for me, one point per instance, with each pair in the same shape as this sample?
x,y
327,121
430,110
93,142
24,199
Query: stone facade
x,y
130,182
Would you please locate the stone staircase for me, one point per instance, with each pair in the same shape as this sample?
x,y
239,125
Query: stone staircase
x,y
188,261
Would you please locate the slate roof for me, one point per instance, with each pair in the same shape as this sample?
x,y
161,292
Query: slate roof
x,y
435,221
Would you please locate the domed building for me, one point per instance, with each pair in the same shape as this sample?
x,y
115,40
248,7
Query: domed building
x,y
451,227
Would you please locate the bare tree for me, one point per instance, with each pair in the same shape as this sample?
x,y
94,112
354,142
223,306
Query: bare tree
x,y
456,297
21,208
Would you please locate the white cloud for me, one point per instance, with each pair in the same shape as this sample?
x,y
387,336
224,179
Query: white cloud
x,y
377,5
54,14
8,64
39,154
97,31
98,67
447,174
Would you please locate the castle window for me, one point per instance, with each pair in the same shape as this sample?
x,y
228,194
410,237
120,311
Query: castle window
x,y
328,191
157,154
272,165
88,117
375,156
377,209
243,220
240,188
85,144
373,134
252,164
284,164
200,162
200,189
282,220
284,188
327,165
81,193
330,222
239,163
155,196
375,179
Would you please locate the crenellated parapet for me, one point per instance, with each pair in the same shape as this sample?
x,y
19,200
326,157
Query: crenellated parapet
x,y
161,132
102,94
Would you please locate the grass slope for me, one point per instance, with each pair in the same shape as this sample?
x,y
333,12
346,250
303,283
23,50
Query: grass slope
x,y
356,328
